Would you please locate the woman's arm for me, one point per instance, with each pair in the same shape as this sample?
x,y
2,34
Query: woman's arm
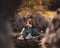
x,y
22,31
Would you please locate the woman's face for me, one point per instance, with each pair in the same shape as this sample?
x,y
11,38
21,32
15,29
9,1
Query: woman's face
x,y
29,20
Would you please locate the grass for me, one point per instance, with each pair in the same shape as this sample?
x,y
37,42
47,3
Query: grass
x,y
50,13
46,14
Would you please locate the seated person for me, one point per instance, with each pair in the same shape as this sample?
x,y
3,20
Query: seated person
x,y
29,29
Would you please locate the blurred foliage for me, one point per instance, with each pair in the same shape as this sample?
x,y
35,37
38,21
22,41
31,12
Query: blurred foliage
x,y
46,4
32,4
38,5
54,4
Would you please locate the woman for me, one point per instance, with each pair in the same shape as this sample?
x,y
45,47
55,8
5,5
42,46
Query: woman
x,y
29,29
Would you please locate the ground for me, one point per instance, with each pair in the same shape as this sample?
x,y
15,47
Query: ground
x,y
46,14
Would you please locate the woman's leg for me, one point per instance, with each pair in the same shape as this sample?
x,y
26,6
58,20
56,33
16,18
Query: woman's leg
x,y
25,33
34,32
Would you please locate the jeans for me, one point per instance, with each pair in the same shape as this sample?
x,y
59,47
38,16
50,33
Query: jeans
x,y
33,31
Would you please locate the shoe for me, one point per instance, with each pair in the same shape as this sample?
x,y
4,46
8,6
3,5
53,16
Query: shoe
x,y
29,36
20,38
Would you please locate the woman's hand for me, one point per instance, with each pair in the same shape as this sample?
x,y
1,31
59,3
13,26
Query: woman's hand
x,y
29,25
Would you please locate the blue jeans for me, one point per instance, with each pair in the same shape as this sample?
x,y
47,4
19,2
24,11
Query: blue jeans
x,y
33,31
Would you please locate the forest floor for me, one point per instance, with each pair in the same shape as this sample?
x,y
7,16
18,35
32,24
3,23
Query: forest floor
x,y
50,13
46,14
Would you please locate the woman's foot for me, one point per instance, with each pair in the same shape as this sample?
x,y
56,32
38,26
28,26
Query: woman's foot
x,y
20,38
